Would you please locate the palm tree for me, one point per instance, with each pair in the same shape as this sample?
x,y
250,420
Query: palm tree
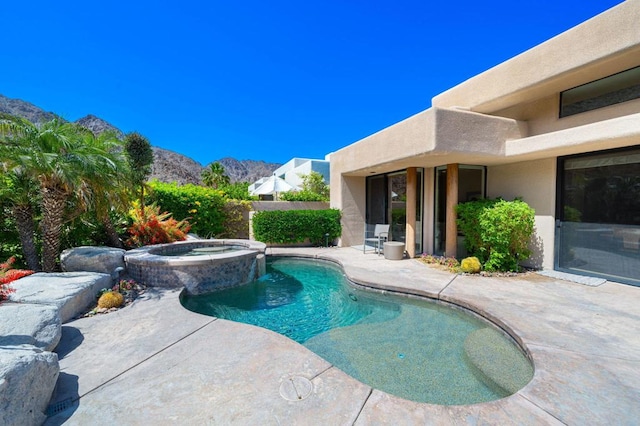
x,y
20,190
64,159
109,183
215,176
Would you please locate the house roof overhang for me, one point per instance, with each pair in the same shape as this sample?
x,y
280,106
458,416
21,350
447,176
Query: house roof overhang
x,y
601,46
440,136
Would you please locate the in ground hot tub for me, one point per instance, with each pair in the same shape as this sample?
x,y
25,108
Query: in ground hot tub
x,y
200,266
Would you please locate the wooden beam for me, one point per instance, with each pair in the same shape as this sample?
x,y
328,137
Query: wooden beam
x,y
410,229
451,244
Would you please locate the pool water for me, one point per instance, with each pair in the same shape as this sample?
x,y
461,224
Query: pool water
x,y
412,348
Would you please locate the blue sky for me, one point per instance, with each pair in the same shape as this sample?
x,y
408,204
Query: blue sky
x,y
261,80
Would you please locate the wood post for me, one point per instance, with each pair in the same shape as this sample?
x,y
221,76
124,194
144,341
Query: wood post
x,y
451,244
410,229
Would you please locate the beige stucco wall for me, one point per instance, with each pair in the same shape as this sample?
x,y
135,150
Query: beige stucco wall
x,y
352,204
601,46
542,116
608,134
431,138
535,182
390,149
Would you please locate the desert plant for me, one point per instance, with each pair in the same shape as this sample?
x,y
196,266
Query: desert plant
x,y
470,265
152,227
8,275
110,299
125,285
140,158
450,263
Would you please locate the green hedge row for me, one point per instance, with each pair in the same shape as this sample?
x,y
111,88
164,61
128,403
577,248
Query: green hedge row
x,y
297,226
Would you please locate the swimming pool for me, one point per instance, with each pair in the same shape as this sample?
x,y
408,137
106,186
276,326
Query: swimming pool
x,y
412,348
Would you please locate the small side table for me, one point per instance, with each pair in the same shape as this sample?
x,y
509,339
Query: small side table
x,y
393,250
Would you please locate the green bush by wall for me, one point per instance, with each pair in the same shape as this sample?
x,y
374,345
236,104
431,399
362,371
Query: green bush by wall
x,y
203,207
497,231
296,226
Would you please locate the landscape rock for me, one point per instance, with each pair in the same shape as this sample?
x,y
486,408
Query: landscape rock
x,y
92,259
71,292
26,323
28,378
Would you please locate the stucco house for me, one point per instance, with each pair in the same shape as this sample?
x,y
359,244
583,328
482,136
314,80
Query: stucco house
x,y
558,125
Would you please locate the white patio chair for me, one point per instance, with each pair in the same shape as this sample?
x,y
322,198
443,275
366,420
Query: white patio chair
x,y
380,235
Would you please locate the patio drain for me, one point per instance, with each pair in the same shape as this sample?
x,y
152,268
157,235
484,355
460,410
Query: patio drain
x,y
59,407
296,388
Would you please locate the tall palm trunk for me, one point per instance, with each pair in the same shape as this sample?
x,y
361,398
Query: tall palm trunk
x,y
53,203
26,231
110,230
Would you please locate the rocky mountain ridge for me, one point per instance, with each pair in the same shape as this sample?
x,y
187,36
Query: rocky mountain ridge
x,y
168,166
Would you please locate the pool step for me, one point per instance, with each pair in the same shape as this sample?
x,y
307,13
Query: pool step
x,y
498,363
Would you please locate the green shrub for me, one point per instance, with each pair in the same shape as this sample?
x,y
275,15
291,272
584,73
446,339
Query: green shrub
x,y
296,226
203,207
302,196
237,191
498,232
469,223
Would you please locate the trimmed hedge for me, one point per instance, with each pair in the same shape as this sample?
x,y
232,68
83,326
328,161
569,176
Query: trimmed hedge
x,y
203,207
296,226
498,232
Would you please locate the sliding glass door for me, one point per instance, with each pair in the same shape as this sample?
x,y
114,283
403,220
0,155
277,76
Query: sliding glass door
x,y
387,203
598,215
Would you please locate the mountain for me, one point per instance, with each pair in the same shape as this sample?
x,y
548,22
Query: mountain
x,y
97,125
247,170
168,166
23,109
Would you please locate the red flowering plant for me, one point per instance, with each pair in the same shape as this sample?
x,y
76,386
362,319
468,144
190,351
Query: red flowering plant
x,y
8,275
152,227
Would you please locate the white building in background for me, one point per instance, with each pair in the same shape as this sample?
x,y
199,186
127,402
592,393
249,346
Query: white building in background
x,y
293,171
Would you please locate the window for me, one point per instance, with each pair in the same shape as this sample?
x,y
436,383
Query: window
x,y
598,216
617,88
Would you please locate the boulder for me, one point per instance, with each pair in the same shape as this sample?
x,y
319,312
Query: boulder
x,y
28,377
71,292
92,259
26,323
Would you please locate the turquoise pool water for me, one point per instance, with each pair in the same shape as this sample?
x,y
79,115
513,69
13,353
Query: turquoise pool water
x,y
411,348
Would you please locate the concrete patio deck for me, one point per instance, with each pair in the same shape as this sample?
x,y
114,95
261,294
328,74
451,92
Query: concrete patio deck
x,y
154,362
